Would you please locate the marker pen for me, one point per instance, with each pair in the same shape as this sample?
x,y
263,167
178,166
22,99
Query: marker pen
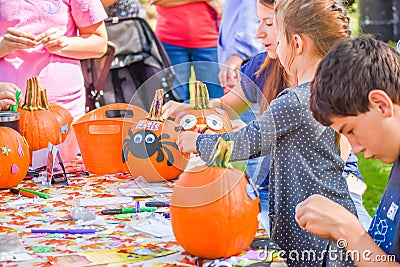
x,y
156,204
23,193
40,194
128,210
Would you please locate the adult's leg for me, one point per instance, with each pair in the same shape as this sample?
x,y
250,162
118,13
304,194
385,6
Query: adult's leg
x,y
180,59
206,69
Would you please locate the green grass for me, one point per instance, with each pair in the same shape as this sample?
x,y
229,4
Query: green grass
x,y
375,174
354,21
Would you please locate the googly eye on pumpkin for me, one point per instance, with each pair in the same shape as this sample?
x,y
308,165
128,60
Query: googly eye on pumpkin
x,y
138,138
150,138
214,122
188,122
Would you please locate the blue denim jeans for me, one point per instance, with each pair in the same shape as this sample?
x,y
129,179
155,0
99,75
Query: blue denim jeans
x,y
264,207
204,61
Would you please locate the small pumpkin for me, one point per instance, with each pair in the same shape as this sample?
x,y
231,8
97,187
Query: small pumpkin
x,y
149,148
38,125
63,117
212,213
14,158
202,115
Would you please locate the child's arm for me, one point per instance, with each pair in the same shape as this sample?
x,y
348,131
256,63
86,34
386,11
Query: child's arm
x,y
256,139
342,227
91,42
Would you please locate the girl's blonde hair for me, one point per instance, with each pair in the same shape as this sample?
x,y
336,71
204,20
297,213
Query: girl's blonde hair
x,y
324,21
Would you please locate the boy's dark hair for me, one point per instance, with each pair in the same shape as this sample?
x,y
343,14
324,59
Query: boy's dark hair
x,y
346,75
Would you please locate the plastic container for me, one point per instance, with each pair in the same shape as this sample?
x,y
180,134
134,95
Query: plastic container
x,y
100,135
10,119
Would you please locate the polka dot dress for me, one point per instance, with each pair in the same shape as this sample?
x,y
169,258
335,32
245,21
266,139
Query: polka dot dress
x,y
304,161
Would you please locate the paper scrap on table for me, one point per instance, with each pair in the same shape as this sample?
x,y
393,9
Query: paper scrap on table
x,y
11,248
144,192
104,201
154,227
103,257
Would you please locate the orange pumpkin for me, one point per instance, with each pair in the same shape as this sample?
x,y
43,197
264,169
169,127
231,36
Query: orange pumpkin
x,y
38,125
63,117
212,214
149,148
14,158
202,115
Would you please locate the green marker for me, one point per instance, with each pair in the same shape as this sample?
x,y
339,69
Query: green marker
x,y
40,194
127,210
17,99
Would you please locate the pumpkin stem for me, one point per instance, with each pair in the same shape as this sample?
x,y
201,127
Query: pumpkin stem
x,y
221,154
156,107
35,96
44,102
201,98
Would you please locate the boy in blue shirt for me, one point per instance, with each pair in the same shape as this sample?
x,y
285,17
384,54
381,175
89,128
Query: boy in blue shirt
x,y
356,91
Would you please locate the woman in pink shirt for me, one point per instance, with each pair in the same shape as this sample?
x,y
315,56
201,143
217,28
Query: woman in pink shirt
x,y
47,39
188,30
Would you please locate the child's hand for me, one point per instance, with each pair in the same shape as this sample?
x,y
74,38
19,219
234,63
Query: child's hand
x,y
15,39
52,39
327,219
187,142
172,108
7,95
237,125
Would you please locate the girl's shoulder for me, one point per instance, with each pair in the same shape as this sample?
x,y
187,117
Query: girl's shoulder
x,y
301,91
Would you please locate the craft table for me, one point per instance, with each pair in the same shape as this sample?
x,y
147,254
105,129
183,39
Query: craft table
x,y
55,213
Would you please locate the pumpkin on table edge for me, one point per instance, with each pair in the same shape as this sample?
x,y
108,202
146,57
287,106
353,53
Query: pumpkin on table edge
x,y
149,148
202,114
38,125
214,209
14,157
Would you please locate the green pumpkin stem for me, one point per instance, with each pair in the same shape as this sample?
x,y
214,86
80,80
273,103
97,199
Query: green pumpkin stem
x,y
35,96
155,113
201,98
221,154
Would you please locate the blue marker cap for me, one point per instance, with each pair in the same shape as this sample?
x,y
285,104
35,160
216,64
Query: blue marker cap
x,y
137,206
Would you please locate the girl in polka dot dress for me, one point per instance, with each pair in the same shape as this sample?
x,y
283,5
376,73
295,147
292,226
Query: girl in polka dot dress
x,y
305,159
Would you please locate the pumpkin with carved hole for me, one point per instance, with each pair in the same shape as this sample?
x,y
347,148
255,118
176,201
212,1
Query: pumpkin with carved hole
x,y
149,148
38,125
202,115
14,158
214,208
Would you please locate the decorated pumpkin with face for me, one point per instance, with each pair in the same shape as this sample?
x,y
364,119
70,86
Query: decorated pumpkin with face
x,y
150,149
202,116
